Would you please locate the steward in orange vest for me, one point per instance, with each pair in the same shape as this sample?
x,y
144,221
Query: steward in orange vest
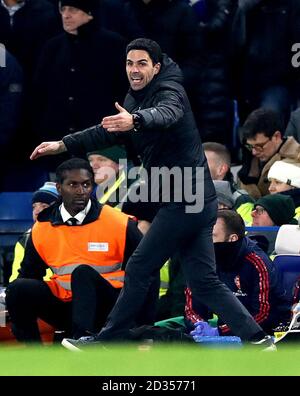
x,y
99,242
87,260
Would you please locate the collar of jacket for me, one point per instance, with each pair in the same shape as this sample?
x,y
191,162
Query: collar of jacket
x,y
290,148
228,254
294,194
152,5
88,30
53,215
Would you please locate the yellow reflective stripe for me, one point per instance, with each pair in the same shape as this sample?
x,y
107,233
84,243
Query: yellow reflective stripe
x,y
67,284
64,284
68,269
164,285
116,278
112,189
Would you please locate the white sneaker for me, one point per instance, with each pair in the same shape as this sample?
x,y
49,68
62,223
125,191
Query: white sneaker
x,y
266,344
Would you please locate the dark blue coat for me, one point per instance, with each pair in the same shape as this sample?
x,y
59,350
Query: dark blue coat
x,y
11,90
255,281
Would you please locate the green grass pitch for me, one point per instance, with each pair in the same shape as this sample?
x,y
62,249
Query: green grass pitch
x,y
159,360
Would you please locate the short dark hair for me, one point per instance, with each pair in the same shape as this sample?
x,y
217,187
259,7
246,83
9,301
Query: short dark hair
x,y
220,150
71,164
147,45
234,224
264,121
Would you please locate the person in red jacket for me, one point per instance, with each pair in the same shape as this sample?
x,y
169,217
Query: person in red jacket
x,y
86,245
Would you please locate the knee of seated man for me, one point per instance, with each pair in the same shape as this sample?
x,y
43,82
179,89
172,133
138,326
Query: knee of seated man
x,y
15,290
82,271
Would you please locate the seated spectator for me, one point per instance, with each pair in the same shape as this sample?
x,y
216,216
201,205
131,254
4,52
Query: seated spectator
x,y
273,210
262,137
269,211
224,194
86,245
111,179
219,161
284,178
109,174
41,199
248,272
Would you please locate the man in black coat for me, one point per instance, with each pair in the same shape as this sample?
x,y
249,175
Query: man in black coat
x,y
157,120
173,25
80,73
11,88
25,26
11,99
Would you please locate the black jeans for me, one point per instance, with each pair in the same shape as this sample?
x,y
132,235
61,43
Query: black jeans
x,y
189,234
30,299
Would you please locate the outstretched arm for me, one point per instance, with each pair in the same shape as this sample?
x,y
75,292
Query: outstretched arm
x,y
48,148
78,143
168,108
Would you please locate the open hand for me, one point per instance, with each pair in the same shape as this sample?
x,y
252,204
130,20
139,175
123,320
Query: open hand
x,y
121,122
48,148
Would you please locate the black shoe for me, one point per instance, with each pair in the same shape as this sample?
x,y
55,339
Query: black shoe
x,y
81,343
266,344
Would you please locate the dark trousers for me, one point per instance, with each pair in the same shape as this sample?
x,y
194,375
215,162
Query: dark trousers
x,y
189,234
30,299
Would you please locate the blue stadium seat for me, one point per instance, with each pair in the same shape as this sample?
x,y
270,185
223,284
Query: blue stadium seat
x,y
15,206
15,219
264,236
289,267
15,212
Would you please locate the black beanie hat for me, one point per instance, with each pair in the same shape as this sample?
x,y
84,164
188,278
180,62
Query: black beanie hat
x,y
115,153
87,6
280,208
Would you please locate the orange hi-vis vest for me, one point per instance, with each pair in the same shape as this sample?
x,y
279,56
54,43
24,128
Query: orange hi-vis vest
x,y
99,244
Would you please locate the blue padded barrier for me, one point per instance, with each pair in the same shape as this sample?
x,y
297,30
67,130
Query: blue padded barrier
x,y
15,216
15,219
289,267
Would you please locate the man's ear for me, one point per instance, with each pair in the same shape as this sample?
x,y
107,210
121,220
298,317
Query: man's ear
x,y
223,169
277,135
233,238
58,188
157,67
